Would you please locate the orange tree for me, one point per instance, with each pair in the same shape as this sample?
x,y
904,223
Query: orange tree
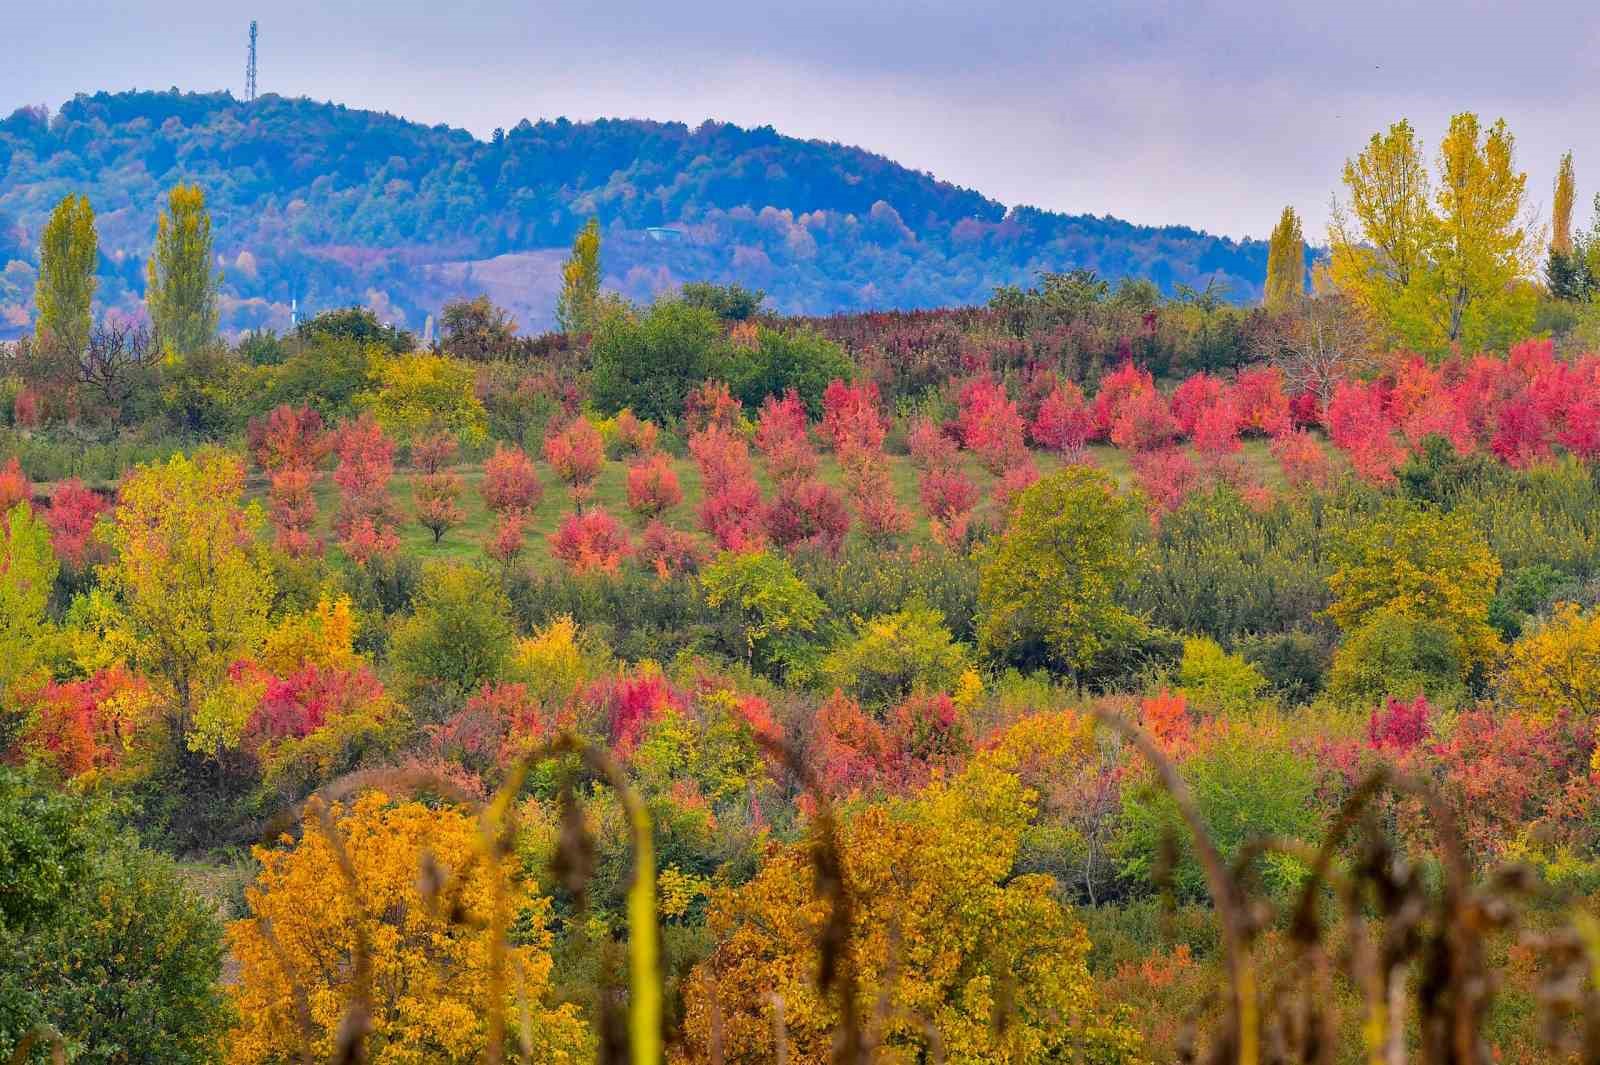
x,y
944,936
430,982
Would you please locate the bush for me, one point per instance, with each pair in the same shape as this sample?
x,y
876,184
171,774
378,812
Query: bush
x,y
651,363
1294,663
100,939
458,638
1208,674
1392,654
893,655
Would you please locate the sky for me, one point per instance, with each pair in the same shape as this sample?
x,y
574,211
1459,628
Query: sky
x,y
1210,113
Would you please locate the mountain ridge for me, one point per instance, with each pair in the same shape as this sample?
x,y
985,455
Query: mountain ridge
x,y
326,205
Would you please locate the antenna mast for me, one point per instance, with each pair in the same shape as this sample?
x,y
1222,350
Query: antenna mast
x,y
250,68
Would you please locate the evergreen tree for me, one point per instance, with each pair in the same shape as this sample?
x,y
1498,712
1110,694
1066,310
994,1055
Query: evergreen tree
x,y
68,250
1286,262
181,289
580,282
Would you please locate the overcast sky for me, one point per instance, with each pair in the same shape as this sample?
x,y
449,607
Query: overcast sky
x,y
1213,114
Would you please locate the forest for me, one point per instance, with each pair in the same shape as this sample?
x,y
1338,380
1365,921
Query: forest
x,y
1087,673
327,206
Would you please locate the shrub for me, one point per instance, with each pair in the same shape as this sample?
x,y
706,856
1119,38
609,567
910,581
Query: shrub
x,y
1065,422
668,551
1209,675
930,448
893,655
1143,423
653,486
510,482
948,495
590,540
576,454
808,513
1395,654
458,637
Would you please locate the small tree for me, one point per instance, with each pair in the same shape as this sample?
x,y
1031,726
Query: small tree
x,y
653,486
437,489
590,540
578,302
510,483
1056,572
68,254
576,454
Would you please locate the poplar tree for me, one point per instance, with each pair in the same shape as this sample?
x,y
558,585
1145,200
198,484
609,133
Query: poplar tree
x,y
580,282
1286,262
68,251
181,289
1561,212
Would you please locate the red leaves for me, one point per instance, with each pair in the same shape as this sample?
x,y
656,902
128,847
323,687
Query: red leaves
x,y
576,454
1361,427
1303,460
653,486
288,437
808,513
667,550
854,752
991,426
850,419
71,517
1065,422
1166,477
1399,726
1143,422
14,485
930,448
948,495
80,726
731,511
589,541
437,489
510,482
508,539
781,438
366,520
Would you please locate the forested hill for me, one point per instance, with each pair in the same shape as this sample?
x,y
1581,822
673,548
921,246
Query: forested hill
x,y
332,206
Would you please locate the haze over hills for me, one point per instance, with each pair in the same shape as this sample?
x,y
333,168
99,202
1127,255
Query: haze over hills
x,y
328,206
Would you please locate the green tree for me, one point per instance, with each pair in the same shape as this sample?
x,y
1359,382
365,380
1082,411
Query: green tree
x,y
768,611
894,654
1419,563
180,287
1286,262
731,303
99,939
459,636
800,359
651,363
68,251
1054,577
580,283
1247,781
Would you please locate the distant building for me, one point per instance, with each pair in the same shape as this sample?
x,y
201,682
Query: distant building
x,y
665,235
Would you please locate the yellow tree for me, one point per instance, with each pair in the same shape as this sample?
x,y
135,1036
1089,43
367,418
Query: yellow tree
x,y
431,976
180,287
1481,252
1556,665
1441,269
68,251
1286,262
1416,563
945,936
1561,208
190,587
580,282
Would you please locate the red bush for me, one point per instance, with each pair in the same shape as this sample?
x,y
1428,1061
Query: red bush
x,y
590,540
667,550
733,516
712,406
73,512
14,485
288,437
510,481
653,486
1166,477
1198,392
1116,389
991,426
1014,482
1143,423
634,435
808,513
1303,460
850,418
508,539
930,448
576,454
1065,422
1259,399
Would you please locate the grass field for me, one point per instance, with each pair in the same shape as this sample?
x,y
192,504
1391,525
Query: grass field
x,y
466,540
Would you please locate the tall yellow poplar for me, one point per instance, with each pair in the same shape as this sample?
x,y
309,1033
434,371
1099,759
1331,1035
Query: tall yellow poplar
x,y
1286,262
580,282
1561,210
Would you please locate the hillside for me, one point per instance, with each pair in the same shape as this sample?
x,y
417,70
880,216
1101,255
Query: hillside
x,y
330,206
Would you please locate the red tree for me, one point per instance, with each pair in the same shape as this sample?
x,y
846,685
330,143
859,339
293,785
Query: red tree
x,y
73,511
14,485
509,537
948,495
437,488
1143,423
1197,393
1166,477
590,540
510,481
667,550
653,486
367,520
991,426
1065,422
808,513
929,446
576,454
